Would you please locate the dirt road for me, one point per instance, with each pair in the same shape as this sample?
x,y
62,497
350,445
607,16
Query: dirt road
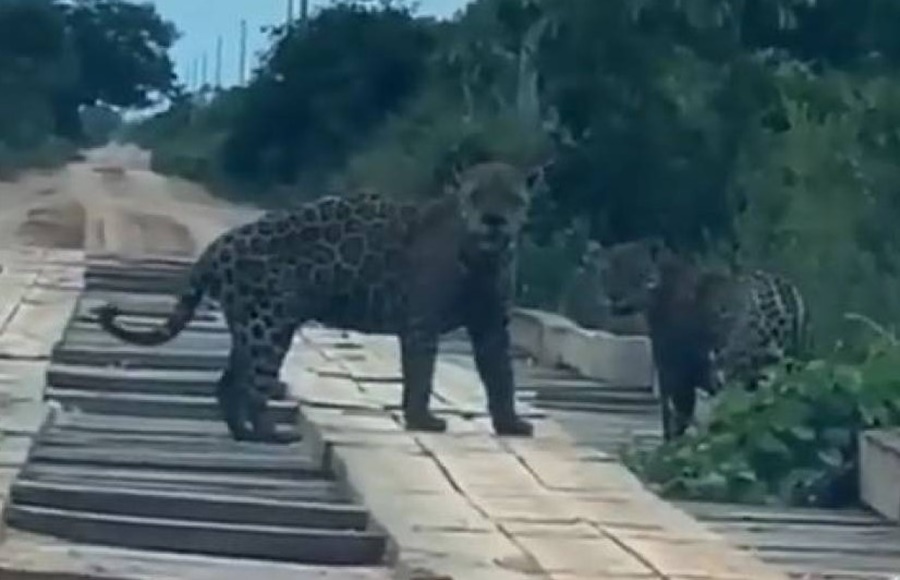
x,y
113,203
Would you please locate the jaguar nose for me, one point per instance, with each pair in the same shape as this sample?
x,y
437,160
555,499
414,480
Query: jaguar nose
x,y
493,221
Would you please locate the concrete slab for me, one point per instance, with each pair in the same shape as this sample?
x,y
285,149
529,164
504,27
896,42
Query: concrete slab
x,y
14,451
466,504
39,296
879,471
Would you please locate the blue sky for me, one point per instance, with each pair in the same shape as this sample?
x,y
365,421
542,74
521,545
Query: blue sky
x,y
202,21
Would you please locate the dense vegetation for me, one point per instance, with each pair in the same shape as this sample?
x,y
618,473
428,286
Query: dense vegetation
x,y
749,132
67,67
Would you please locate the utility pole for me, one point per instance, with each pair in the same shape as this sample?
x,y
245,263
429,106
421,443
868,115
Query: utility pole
x,y
242,57
304,11
219,62
203,71
194,74
290,12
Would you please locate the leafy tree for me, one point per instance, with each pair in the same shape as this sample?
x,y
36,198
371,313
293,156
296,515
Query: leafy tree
x,y
324,86
34,64
121,58
122,49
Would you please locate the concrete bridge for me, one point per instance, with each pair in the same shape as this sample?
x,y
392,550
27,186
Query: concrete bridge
x,y
115,465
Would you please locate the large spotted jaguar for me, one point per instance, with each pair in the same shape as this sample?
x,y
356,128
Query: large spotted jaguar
x,y
706,327
364,263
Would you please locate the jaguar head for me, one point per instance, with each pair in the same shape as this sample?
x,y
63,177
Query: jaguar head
x,y
630,272
494,198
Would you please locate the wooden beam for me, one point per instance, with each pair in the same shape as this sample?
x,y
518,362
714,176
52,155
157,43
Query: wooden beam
x,y
319,490
135,356
268,542
144,405
129,380
270,465
188,505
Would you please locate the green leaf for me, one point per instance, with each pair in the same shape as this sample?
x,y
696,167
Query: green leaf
x,y
838,437
831,457
788,413
769,443
804,433
712,485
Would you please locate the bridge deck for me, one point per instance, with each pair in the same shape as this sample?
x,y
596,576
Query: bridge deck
x,y
469,505
851,544
143,462
463,505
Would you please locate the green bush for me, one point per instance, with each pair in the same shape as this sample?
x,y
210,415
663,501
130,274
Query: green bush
x,y
791,442
820,197
51,153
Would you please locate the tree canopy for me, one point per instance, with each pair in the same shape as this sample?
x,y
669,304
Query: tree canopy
x,y
703,121
58,57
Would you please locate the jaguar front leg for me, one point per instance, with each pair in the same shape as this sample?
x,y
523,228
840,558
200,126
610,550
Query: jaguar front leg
x,y
491,344
418,353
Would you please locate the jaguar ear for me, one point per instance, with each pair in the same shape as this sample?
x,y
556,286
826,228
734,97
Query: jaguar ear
x,y
448,172
454,177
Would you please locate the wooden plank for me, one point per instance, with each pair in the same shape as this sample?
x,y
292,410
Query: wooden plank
x,y
58,437
134,287
315,489
153,276
112,424
752,514
269,542
877,544
139,265
145,405
135,283
271,465
219,342
194,506
597,395
135,356
13,288
817,565
36,324
89,323
30,557
601,408
110,259
158,305
163,382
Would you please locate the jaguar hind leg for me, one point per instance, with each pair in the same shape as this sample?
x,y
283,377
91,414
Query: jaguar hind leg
x,y
232,403
262,353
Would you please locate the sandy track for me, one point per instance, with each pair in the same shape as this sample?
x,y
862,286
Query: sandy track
x,y
112,203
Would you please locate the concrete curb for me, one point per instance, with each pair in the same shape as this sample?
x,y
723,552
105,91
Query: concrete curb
x,y
557,341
